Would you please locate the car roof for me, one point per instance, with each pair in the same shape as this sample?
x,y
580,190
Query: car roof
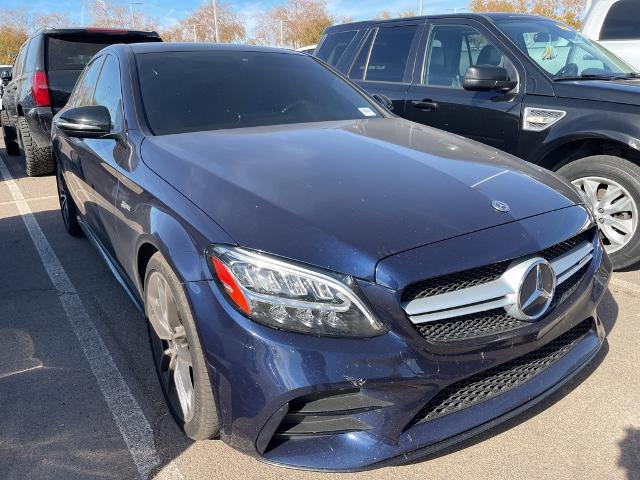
x,y
157,47
475,16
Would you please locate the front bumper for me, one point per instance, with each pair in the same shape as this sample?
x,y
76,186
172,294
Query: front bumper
x,y
261,377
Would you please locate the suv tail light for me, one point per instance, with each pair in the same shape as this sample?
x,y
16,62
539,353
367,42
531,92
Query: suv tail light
x,y
41,90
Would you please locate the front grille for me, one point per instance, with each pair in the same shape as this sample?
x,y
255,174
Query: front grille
x,y
555,251
498,380
491,322
470,326
477,276
454,281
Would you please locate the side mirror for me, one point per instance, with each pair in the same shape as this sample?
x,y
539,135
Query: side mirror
x,y
487,78
5,75
92,121
384,101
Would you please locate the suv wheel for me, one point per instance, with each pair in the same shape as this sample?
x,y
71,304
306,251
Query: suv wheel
x,y
38,160
9,135
177,353
612,185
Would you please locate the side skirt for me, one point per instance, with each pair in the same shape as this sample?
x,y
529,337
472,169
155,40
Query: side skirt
x,y
113,266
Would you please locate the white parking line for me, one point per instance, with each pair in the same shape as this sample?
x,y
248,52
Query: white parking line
x,y
135,430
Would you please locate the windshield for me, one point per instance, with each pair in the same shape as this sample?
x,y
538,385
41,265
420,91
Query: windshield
x,y
561,51
212,90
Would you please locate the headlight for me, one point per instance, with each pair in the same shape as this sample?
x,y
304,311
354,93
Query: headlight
x,y
289,297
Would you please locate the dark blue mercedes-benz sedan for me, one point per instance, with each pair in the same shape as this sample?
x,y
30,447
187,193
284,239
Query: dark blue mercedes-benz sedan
x,y
327,286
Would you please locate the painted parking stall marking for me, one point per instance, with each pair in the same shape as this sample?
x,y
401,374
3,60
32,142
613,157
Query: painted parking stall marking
x,y
133,426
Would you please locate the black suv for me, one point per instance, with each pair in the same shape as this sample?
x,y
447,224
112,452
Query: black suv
x,y
44,73
524,84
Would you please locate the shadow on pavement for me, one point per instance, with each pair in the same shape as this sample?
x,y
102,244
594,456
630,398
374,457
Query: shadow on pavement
x,y
55,422
630,453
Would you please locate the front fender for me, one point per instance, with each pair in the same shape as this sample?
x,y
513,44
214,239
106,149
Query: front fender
x,y
181,244
583,122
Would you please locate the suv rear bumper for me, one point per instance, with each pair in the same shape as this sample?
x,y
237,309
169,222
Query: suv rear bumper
x,y
39,121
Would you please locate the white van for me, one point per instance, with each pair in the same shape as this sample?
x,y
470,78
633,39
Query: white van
x,y
616,25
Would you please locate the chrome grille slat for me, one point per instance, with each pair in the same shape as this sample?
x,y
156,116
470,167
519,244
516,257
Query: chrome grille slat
x,y
566,259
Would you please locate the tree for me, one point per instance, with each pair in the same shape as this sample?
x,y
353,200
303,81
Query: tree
x,y
15,26
200,26
567,11
295,24
50,20
386,14
104,14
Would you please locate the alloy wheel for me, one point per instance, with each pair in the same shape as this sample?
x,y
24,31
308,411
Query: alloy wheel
x,y
614,208
170,346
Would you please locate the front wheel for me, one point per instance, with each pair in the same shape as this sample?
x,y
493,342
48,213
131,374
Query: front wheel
x,y
612,185
177,353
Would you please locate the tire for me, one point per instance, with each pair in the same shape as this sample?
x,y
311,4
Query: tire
x,y
68,207
9,136
38,160
617,215
200,422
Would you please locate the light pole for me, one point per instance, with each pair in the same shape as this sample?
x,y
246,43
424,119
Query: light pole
x,y
133,18
421,5
281,33
215,21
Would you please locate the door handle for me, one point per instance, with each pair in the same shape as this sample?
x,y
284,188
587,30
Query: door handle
x,y
425,105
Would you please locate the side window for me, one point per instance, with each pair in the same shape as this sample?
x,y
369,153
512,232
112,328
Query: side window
x,y
360,63
385,60
454,48
17,65
108,92
31,58
390,53
622,21
334,46
83,91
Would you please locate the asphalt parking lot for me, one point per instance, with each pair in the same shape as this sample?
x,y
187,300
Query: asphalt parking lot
x,y
80,399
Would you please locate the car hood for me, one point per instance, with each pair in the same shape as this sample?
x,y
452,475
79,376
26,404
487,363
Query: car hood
x,y
343,195
617,91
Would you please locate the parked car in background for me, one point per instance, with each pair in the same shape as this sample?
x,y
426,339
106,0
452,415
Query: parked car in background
x,y
527,85
616,25
44,73
327,286
5,77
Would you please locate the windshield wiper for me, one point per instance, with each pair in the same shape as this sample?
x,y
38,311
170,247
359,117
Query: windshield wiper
x,y
584,77
627,76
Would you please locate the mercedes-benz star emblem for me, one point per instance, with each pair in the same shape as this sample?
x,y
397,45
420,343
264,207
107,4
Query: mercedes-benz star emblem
x,y
536,290
500,206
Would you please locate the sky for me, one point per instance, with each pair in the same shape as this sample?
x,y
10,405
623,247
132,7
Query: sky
x,y
168,12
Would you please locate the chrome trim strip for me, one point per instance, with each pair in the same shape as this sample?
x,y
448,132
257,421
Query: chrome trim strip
x,y
495,294
77,126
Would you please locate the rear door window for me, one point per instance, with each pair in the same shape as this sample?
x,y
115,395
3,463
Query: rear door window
x,y
390,53
334,45
622,21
